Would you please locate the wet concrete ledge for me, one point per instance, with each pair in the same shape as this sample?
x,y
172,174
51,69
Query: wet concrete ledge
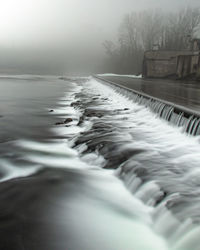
x,y
192,117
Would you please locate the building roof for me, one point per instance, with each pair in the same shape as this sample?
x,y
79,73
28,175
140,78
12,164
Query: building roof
x,y
196,39
168,54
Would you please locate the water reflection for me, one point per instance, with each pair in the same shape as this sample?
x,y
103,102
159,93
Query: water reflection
x,y
182,93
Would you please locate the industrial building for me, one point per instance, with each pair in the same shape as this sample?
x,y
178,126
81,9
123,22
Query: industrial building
x,y
173,64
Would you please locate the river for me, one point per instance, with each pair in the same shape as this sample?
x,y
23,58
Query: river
x,y
83,167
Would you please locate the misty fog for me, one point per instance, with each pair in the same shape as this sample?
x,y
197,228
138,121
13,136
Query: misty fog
x,y
65,36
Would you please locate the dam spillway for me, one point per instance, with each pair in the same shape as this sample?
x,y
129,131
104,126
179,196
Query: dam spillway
x,y
75,154
177,110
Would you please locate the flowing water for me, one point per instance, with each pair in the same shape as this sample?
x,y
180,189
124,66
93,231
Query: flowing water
x,y
84,167
181,116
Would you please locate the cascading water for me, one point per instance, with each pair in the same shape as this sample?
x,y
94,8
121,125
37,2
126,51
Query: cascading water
x,y
148,157
174,114
116,177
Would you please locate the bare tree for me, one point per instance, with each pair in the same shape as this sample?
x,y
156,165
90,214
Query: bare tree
x,y
140,31
181,27
109,47
151,28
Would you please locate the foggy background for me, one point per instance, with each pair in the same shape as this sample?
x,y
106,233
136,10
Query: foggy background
x,y
65,36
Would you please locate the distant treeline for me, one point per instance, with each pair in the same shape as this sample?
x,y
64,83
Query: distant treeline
x,y
140,31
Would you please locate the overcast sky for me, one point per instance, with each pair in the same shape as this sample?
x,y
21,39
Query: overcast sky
x,y
71,26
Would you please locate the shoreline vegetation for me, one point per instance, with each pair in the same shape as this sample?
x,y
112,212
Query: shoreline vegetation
x,y
141,31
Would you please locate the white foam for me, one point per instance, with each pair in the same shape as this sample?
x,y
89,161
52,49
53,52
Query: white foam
x,y
171,158
51,148
10,171
111,74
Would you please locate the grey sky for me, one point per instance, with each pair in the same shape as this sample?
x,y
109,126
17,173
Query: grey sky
x,y
71,26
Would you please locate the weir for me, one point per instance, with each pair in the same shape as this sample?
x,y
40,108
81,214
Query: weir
x,y
173,113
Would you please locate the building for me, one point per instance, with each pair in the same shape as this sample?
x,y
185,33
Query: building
x,y
175,64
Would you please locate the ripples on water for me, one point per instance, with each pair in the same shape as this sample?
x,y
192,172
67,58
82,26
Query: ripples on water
x,y
115,178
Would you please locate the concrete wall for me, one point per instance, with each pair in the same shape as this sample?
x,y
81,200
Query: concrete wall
x,y
161,68
198,72
184,66
163,64
160,64
194,64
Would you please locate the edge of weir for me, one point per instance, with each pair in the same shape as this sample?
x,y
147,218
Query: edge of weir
x,y
191,118
188,112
